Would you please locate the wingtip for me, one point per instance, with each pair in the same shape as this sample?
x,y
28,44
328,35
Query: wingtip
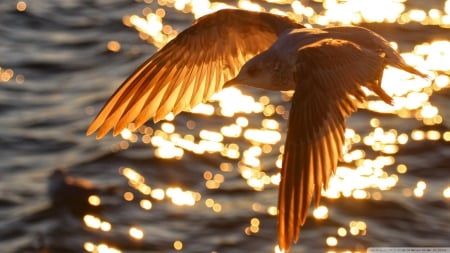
x,y
91,129
117,131
423,75
426,76
414,71
98,136
89,132
101,130
284,245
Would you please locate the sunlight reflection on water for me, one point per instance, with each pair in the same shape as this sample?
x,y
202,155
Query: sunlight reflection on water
x,y
366,177
365,174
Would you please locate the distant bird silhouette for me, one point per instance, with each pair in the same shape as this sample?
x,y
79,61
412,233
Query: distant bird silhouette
x,y
71,193
327,68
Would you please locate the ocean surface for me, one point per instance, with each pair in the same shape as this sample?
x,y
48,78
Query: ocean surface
x,y
57,70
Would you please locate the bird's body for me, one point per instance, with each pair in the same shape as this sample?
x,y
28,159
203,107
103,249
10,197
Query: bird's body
x,y
327,68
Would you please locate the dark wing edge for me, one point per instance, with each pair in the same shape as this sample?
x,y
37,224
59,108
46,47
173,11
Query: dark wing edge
x,y
329,78
190,68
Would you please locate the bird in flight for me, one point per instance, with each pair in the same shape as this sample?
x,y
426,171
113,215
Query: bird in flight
x,y
327,68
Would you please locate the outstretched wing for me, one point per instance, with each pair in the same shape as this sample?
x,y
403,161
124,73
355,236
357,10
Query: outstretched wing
x,y
329,78
190,68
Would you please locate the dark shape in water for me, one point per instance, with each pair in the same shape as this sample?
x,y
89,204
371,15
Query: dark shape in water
x,y
71,193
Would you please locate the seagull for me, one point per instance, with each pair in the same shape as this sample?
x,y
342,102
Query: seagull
x,y
327,68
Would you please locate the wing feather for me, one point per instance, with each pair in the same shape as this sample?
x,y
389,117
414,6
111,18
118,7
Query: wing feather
x,y
329,78
215,48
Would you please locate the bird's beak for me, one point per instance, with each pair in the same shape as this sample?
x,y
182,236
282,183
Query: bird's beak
x,y
230,83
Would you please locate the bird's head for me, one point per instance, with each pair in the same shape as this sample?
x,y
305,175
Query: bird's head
x,y
265,71
257,72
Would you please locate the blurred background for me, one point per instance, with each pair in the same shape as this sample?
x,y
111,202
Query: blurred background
x,y
207,181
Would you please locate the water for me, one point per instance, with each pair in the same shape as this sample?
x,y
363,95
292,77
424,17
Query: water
x,y
64,72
